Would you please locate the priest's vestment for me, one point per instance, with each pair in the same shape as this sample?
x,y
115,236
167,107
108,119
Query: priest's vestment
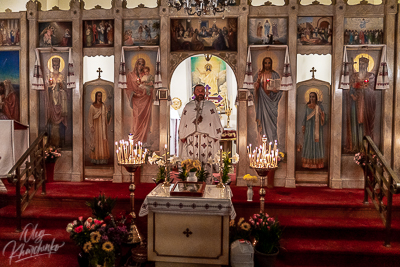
x,y
201,127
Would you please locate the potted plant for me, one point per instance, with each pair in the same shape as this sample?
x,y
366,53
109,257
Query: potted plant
x,y
189,169
267,233
100,240
51,156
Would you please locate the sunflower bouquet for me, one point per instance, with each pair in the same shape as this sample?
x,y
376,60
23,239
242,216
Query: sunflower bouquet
x,y
239,230
100,239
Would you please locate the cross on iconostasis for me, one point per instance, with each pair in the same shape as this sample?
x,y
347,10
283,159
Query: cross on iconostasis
x,y
99,71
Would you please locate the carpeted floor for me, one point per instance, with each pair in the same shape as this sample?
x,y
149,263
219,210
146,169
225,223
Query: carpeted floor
x,y
322,226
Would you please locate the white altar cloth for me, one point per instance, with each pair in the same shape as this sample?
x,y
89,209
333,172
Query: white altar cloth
x,y
210,204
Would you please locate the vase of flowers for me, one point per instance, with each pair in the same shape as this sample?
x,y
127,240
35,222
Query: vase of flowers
x,y
189,169
100,240
267,234
192,176
250,180
51,156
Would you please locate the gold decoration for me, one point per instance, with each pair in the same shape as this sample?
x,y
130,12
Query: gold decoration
x,y
103,92
315,90
50,64
275,61
371,62
146,59
176,103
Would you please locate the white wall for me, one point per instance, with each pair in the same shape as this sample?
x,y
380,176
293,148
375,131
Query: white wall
x,y
91,64
322,63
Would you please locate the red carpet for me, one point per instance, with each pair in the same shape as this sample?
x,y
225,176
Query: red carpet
x,y
323,227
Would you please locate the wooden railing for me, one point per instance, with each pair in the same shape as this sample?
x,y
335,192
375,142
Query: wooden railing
x,y
28,174
380,183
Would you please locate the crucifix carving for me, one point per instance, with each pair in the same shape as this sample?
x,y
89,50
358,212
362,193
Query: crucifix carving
x,y
313,70
99,71
187,232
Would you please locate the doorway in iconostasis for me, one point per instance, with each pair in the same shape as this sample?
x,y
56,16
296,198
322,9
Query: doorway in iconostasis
x,y
313,117
98,117
221,88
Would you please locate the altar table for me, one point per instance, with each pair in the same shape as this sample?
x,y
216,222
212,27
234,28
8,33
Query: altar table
x,y
188,231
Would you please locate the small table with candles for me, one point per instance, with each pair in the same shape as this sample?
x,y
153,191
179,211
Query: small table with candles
x,y
188,230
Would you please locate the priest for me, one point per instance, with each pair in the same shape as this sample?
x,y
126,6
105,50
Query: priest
x,y
200,128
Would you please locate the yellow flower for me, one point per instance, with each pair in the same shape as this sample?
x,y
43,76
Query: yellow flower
x,y
240,221
245,226
87,247
108,246
250,178
232,223
95,237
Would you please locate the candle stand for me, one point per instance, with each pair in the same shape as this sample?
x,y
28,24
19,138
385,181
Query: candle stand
x,y
263,173
134,235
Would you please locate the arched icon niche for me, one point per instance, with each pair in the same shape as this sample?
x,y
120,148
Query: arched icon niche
x,y
221,88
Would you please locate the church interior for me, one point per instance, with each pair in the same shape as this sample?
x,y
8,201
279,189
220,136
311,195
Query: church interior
x,y
199,133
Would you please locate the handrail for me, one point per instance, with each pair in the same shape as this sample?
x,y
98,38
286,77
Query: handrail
x,y
380,182
32,176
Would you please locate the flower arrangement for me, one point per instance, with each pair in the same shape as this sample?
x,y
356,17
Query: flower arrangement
x,y
162,168
250,180
191,165
267,233
360,159
281,157
226,166
52,154
101,206
100,239
241,230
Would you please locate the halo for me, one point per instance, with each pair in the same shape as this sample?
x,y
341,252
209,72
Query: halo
x,y
371,62
315,90
276,64
146,58
50,63
180,103
97,89
215,62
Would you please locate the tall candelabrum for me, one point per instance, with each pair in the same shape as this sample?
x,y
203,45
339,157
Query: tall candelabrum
x,y
167,184
131,156
263,160
221,166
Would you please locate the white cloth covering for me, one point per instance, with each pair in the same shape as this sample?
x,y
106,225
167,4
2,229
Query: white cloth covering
x,y
212,202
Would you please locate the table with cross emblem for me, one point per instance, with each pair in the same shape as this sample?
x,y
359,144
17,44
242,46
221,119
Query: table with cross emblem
x,y
188,231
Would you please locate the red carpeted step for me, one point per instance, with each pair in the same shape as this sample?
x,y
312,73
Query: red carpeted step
x,y
337,252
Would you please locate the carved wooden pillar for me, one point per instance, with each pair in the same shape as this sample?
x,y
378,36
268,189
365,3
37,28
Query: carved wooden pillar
x,y
32,15
165,57
396,100
77,93
293,10
388,95
241,143
118,11
335,180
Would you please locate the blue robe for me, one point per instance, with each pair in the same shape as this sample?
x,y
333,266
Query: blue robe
x,y
267,110
313,151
